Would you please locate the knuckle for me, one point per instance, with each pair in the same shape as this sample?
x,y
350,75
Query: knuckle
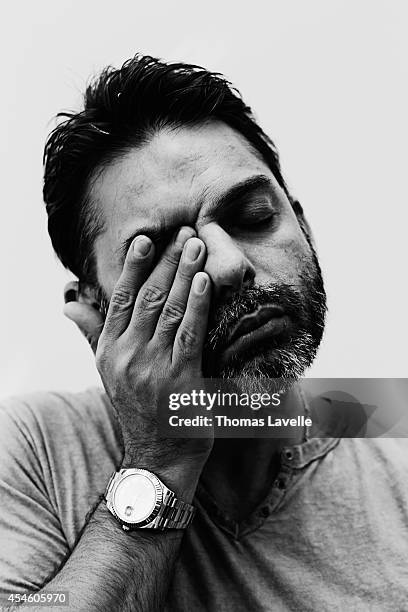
x,y
151,296
122,366
173,311
121,298
188,340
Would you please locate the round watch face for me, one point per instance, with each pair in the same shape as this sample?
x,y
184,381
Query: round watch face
x,y
134,498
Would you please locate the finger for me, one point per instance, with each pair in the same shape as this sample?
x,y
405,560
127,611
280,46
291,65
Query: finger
x,y
138,263
192,260
88,319
154,292
190,337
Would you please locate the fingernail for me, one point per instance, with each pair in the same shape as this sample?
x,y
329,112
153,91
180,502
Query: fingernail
x,y
200,283
192,250
184,234
70,296
142,245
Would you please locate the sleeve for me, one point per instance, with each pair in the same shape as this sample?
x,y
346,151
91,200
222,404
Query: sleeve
x,y
32,542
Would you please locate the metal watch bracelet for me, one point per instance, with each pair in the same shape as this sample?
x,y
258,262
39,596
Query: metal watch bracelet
x,y
174,513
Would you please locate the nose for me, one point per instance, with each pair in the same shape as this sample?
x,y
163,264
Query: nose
x,y
227,264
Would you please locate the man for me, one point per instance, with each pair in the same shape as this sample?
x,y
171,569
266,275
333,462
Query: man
x,y
166,200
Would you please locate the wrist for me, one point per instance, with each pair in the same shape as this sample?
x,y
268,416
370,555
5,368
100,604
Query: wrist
x,y
181,478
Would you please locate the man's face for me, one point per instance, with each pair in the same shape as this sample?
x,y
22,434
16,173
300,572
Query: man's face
x,y
263,269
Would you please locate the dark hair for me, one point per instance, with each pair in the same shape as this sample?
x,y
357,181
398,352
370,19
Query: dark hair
x,y
123,108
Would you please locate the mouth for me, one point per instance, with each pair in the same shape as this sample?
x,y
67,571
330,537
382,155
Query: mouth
x,y
250,322
266,322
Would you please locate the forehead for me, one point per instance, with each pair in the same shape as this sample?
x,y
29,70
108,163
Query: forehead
x,y
169,181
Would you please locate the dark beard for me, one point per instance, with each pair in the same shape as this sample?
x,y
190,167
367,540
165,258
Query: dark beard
x,y
284,357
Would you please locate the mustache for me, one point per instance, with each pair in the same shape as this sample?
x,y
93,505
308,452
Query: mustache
x,y
224,317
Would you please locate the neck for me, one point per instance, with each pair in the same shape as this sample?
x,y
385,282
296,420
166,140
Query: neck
x,y
240,471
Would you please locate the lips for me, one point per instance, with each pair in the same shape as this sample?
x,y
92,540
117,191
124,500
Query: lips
x,y
253,321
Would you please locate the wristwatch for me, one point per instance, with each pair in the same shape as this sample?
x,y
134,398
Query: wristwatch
x,y
138,499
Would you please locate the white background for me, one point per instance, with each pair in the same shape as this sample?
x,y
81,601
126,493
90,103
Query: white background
x,y
328,82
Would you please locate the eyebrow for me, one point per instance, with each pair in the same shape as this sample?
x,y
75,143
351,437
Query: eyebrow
x,y
220,205
240,191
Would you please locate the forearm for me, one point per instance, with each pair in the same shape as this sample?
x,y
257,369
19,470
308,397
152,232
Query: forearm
x,y
126,571
111,569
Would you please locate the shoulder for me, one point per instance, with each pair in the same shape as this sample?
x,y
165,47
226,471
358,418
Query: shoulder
x,y
41,416
380,451
42,405
62,445
59,432
378,465
54,426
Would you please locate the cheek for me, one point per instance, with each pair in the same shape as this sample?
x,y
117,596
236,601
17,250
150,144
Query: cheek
x,y
284,256
107,268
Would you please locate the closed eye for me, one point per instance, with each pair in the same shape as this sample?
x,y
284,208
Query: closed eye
x,y
252,217
255,222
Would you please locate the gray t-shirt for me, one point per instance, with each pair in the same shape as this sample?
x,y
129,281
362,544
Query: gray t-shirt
x,y
332,533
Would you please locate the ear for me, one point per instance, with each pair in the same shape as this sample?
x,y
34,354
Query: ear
x,y
82,307
306,229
